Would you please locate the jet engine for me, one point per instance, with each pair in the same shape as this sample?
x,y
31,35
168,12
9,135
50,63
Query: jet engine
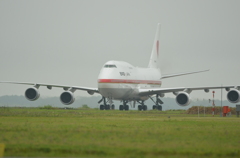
x,y
67,97
233,96
183,99
32,94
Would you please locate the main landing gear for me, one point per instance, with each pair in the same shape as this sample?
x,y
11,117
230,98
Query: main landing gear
x,y
124,106
157,107
142,106
106,106
158,103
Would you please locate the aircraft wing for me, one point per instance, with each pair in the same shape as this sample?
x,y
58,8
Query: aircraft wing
x,y
49,86
146,92
181,74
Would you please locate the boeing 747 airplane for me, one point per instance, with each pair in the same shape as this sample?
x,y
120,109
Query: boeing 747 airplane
x,y
119,80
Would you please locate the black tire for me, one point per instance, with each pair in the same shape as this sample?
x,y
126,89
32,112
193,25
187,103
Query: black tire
x,y
159,107
121,107
113,107
102,107
107,107
154,107
144,107
126,107
140,107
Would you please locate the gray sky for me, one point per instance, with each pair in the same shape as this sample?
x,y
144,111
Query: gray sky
x,y
67,42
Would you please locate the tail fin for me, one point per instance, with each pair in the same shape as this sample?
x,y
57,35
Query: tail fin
x,y
153,63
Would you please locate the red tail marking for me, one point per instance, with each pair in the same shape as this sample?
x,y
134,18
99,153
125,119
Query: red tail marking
x,y
157,45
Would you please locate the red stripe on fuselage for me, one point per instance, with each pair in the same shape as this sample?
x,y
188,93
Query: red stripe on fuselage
x,y
129,81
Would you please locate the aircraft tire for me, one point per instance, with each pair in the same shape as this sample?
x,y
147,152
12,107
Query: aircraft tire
x,y
126,107
102,107
121,107
144,107
113,107
154,107
159,107
107,107
140,107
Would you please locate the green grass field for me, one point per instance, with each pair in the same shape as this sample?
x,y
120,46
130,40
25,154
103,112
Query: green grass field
x,y
34,132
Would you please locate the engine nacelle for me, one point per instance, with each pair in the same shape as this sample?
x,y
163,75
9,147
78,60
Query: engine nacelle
x,y
162,95
90,92
233,96
183,99
67,97
32,94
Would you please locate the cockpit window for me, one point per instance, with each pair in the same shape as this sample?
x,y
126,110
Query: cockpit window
x,y
110,66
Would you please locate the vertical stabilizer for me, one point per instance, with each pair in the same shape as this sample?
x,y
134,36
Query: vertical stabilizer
x,y
153,63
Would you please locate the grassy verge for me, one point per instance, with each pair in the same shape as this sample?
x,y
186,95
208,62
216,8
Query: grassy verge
x,y
94,133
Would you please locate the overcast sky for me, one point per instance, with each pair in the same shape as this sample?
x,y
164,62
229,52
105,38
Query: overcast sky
x,y
67,42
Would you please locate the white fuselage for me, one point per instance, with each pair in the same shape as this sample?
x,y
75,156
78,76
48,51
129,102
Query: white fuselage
x,y
121,81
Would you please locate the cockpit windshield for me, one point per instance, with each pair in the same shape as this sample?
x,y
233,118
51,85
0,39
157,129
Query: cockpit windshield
x,y
110,66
